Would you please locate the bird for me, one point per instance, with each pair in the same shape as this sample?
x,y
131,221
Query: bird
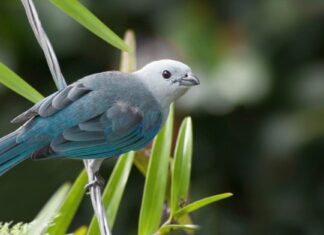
x,y
99,116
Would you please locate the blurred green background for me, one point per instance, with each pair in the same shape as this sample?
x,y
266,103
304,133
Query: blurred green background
x,y
258,114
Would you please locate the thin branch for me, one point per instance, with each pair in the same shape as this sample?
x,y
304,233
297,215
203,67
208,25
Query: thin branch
x,y
95,190
44,43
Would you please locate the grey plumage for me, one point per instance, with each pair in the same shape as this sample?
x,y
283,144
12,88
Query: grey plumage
x,y
101,115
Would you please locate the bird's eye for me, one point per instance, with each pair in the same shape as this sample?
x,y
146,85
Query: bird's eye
x,y
166,74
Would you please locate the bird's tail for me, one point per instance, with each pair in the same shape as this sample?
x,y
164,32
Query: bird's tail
x,y
11,152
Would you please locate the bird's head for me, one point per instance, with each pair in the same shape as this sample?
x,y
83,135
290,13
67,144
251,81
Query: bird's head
x,y
167,79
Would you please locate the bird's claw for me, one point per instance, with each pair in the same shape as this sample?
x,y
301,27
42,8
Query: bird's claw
x,y
98,181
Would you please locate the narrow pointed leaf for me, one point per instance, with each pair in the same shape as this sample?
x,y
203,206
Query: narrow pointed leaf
x,y
114,190
46,216
201,203
168,228
128,59
69,207
141,161
181,166
81,14
11,80
156,180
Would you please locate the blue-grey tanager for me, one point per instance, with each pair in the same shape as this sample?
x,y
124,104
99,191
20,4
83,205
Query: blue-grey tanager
x,y
99,116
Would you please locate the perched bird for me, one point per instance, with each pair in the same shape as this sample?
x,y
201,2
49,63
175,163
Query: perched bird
x,y
99,116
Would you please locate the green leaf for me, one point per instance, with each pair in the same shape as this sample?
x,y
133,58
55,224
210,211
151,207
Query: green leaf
x,y
181,166
69,207
46,216
81,14
11,80
114,191
156,180
201,203
141,161
168,228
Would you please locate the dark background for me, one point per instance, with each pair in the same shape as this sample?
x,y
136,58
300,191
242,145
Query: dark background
x,y
258,114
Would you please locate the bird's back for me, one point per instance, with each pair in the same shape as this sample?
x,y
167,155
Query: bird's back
x,y
126,115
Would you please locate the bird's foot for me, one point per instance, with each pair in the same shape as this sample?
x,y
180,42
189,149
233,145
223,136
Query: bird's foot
x,y
98,181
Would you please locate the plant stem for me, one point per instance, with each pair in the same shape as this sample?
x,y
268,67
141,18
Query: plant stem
x,y
40,34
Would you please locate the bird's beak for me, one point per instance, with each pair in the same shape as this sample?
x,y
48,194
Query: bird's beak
x,y
189,80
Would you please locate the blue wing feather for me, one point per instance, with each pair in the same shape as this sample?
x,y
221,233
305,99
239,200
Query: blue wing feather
x,y
93,118
123,130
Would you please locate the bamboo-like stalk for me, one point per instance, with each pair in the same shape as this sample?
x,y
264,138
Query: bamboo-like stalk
x,y
40,34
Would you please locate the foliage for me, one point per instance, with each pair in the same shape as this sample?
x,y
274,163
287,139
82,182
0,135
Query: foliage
x,y
57,214
18,85
17,229
82,15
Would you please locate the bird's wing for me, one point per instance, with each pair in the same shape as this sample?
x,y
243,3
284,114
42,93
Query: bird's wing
x,y
55,102
120,129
